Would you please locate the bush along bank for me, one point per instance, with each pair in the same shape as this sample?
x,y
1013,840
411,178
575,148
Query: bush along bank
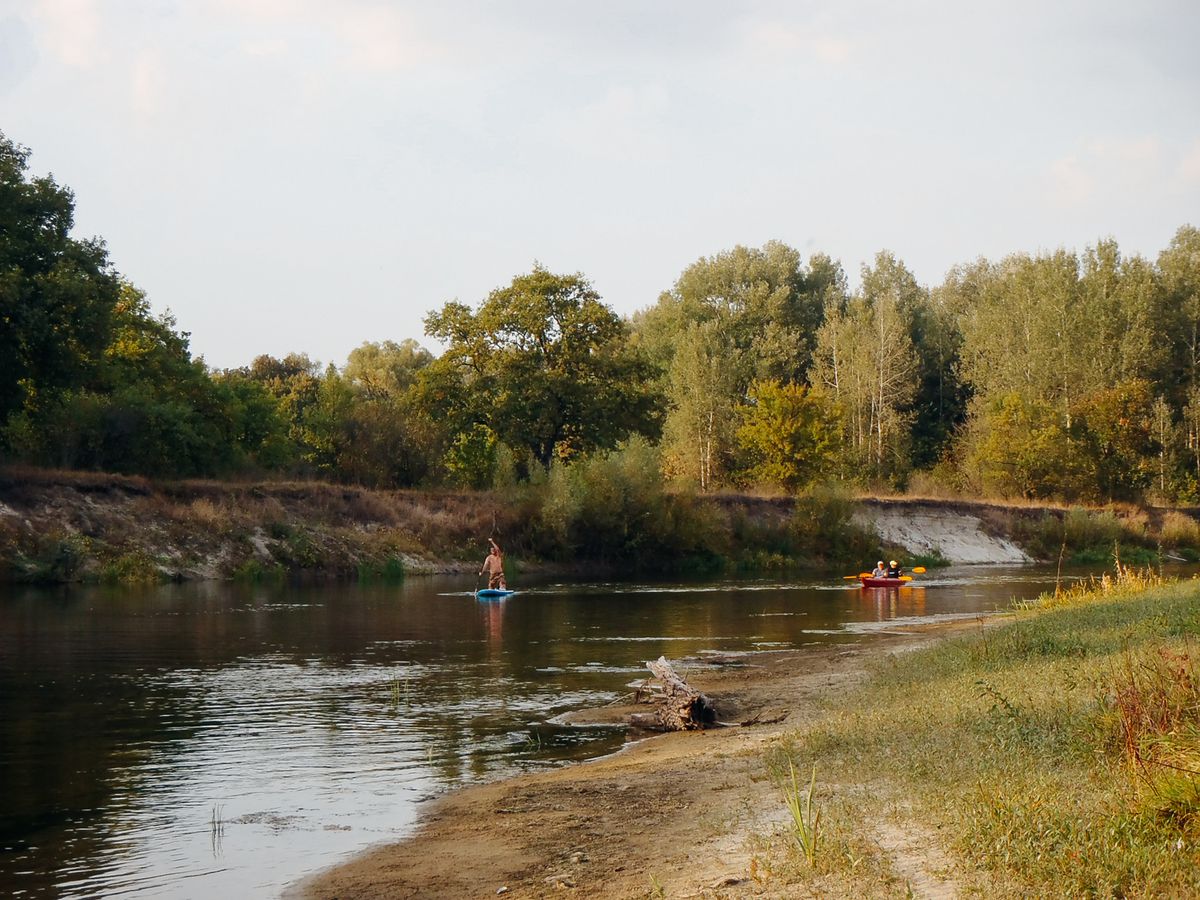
x,y
1057,755
606,514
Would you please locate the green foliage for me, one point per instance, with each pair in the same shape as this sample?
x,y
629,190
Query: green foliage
x,y
1067,375
1021,447
866,364
472,457
1086,537
743,314
136,567
57,558
546,366
57,294
253,571
790,434
614,509
389,571
823,528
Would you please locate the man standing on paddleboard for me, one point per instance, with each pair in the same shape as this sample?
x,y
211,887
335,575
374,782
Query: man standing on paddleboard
x,y
493,565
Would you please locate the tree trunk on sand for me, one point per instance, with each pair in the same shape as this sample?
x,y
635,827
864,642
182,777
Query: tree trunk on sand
x,y
681,708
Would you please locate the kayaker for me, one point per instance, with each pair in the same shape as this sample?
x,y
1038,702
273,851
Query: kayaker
x,y
493,565
893,570
880,571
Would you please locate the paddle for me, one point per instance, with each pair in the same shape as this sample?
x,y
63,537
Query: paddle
x,y
920,570
859,575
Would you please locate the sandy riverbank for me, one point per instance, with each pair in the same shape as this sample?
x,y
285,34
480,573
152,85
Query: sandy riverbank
x,y
679,815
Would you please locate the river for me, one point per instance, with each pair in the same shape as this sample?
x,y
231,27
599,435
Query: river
x,y
213,739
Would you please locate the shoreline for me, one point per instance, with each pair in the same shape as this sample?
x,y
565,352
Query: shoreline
x,y
678,813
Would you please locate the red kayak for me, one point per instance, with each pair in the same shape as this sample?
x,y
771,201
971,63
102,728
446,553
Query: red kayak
x,y
868,581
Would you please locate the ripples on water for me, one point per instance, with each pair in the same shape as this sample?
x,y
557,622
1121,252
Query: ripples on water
x,y
197,740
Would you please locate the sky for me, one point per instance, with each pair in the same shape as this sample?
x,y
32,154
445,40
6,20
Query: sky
x,y
303,175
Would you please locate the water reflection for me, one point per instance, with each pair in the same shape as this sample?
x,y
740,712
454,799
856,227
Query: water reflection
x,y
197,739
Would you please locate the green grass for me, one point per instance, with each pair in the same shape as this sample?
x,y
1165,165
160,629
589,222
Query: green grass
x,y
253,571
388,571
137,567
1015,745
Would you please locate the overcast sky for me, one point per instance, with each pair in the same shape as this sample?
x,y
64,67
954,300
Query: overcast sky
x,y
307,175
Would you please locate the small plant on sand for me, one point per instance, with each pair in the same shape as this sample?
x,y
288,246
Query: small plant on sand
x,y
806,818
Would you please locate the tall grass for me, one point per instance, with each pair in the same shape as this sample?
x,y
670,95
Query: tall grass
x,y
1057,755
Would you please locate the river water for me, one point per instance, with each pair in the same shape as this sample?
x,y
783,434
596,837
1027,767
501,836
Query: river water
x,y
213,739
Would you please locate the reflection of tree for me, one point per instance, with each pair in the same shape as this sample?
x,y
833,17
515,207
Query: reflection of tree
x,y
78,728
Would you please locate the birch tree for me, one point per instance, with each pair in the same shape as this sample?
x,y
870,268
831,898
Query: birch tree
x,y
865,361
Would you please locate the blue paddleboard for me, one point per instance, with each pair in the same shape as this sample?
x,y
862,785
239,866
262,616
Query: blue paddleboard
x,y
493,594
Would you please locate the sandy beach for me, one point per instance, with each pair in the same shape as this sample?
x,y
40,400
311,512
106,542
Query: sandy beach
x,y
675,815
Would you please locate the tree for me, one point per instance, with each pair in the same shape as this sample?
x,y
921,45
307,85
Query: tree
x,y
386,369
790,433
1020,447
57,294
1179,273
547,366
745,313
698,434
1116,430
866,364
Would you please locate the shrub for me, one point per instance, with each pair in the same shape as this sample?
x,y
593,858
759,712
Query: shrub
x,y
389,570
137,567
824,530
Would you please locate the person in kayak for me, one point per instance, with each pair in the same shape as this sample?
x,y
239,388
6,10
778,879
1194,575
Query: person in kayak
x,y
493,565
893,570
879,571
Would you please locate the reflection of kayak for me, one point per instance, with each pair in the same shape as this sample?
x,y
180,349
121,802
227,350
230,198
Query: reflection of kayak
x,y
493,594
868,581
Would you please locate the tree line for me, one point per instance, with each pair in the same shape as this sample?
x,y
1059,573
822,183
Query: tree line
x,y
1052,375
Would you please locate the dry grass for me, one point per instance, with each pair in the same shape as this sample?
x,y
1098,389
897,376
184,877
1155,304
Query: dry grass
x,y
1179,530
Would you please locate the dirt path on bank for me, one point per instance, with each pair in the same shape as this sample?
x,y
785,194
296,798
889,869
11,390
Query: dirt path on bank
x,y
676,815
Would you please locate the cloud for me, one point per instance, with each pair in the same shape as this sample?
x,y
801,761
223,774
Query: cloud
x,y
1188,169
1117,165
382,39
1071,185
17,52
148,79
70,30
775,38
265,47
371,36
623,125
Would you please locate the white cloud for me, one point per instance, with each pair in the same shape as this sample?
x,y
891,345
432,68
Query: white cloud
x,y
774,38
148,80
70,30
265,47
1071,184
1110,167
1188,170
624,125
381,38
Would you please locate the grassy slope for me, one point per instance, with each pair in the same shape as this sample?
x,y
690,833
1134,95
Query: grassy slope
x,y
1019,749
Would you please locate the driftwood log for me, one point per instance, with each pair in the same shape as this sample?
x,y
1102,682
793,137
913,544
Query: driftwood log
x,y
681,707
